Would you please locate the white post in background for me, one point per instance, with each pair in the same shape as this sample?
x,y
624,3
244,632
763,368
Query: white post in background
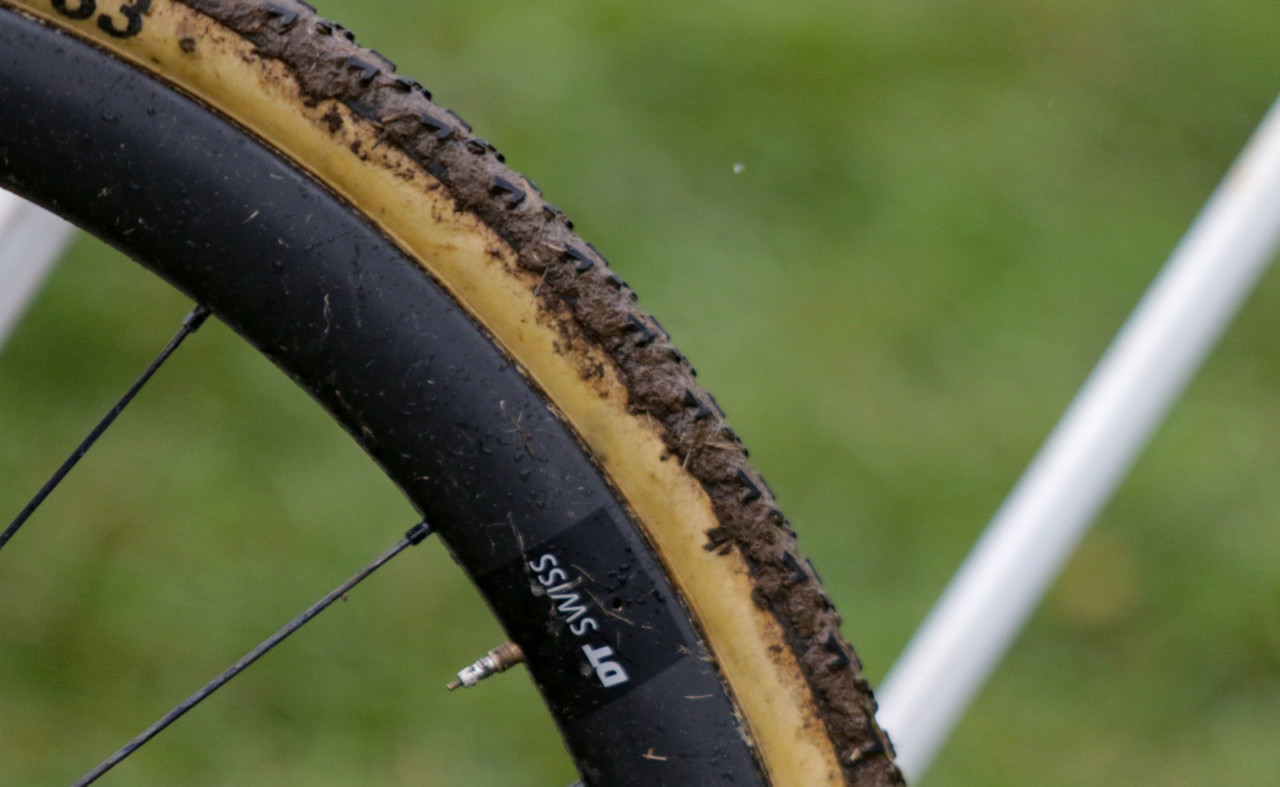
x,y
1144,370
31,239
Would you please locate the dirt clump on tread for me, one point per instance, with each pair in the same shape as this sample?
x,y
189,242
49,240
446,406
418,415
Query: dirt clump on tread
x,y
576,279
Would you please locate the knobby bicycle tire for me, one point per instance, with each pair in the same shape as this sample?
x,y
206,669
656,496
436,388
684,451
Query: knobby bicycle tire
x,y
384,257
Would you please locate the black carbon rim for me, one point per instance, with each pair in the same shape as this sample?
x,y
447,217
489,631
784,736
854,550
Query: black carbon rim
x,y
378,344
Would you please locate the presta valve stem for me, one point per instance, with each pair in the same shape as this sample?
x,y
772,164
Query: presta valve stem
x,y
500,659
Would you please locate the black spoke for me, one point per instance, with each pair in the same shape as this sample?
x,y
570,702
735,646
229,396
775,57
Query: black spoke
x,y
189,324
415,535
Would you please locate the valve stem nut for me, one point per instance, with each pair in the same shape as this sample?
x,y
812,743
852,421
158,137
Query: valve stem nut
x,y
500,659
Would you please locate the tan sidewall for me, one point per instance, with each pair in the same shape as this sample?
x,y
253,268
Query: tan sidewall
x,y
480,270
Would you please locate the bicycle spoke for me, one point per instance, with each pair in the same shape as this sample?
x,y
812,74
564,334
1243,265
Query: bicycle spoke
x,y
412,537
189,325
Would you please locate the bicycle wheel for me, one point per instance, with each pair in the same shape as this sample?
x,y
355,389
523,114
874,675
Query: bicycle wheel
x,y
379,253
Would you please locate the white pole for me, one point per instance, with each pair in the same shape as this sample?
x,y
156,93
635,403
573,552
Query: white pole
x,y
1147,366
31,239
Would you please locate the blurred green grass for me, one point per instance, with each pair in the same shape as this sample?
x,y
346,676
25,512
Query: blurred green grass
x,y
944,212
